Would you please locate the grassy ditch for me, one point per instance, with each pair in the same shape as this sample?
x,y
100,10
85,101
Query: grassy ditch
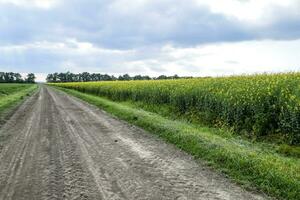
x,y
243,161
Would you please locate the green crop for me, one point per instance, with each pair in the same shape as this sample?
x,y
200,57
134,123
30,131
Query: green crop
x,y
258,105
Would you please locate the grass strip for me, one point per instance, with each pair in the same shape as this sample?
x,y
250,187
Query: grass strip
x,y
244,162
8,102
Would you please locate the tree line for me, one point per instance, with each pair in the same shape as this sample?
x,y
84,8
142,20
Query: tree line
x,y
86,77
11,77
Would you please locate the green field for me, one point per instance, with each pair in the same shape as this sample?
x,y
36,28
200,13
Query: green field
x,y
11,94
185,112
256,106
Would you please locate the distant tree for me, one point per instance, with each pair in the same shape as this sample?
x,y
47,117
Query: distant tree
x,y
94,77
146,78
2,77
49,78
18,78
138,77
62,77
175,77
30,78
162,77
85,77
120,78
77,77
11,77
126,77
68,77
107,77
113,78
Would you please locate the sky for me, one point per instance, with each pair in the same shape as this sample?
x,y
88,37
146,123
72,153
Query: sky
x,y
150,37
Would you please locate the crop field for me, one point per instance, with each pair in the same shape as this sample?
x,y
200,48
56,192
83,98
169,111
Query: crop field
x,y
257,105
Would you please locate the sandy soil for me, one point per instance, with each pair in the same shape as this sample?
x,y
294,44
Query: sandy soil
x,y
62,148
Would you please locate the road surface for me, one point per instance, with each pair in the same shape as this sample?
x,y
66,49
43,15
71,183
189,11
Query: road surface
x,y
59,147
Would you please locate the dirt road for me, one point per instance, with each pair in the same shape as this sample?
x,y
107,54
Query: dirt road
x,y
62,148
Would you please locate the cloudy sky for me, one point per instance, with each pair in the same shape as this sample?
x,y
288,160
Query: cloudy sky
x,y
186,37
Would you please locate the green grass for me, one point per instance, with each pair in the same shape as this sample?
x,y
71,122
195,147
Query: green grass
x,y
250,164
10,88
273,143
11,95
289,151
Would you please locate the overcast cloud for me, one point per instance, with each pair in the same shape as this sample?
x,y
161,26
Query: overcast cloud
x,y
191,37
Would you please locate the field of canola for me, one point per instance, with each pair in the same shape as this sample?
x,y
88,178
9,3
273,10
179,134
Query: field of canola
x,y
257,105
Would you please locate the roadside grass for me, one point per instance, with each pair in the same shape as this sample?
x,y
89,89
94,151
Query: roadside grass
x,y
248,163
11,96
271,143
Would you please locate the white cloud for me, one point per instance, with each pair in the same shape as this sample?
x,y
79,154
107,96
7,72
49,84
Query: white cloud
x,y
192,37
68,46
45,4
233,58
204,60
247,10
70,55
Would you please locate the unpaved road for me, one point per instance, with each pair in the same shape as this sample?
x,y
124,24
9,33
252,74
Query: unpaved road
x,y
62,148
